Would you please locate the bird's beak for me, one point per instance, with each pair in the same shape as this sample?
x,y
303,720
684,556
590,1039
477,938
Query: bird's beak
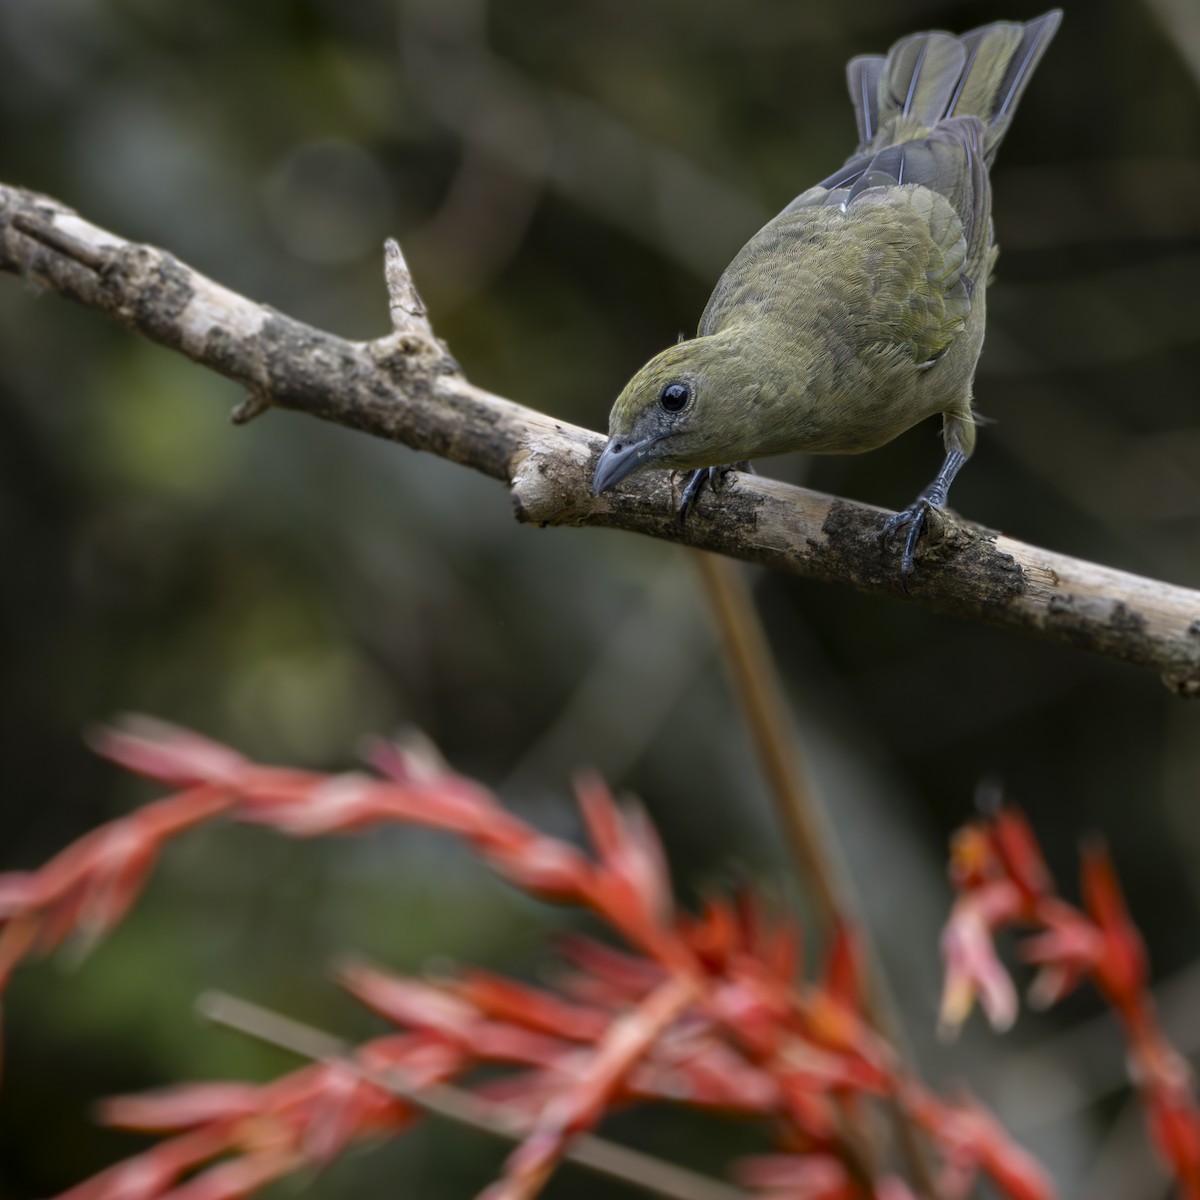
x,y
618,460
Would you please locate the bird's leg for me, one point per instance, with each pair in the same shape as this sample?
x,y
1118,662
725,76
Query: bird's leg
x,y
934,496
697,478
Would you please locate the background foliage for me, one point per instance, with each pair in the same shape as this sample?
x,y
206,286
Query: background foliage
x,y
567,177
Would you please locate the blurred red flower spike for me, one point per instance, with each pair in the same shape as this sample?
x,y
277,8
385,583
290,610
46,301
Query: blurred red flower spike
x,y
408,1002
345,1109
1121,970
104,849
122,867
17,938
714,935
608,975
185,1106
1018,851
523,1094
414,760
782,952
1175,1128
972,856
1068,951
168,753
972,969
423,1058
797,1177
825,1068
54,923
530,1007
1014,1172
813,1177
970,1140
20,891
163,819
1050,985
543,867
629,851
746,926
833,1025
709,1013
500,1042
843,975
389,759
757,924
235,1179
438,1011
152,1174
600,814
893,1188
759,1014
601,1075
809,1111
87,888
695,1068
457,805
337,804
1100,888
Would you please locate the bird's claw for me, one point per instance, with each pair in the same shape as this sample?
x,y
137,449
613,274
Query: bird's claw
x,y
913,518
691,488
696,480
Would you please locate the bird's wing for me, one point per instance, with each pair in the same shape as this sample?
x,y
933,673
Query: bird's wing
x,y
950,161
914,271
913,221
885,253
887,272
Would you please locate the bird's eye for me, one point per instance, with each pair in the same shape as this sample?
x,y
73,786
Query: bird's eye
x,y
674,396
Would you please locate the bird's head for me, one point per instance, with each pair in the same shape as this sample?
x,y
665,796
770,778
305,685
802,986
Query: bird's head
x,y
683,409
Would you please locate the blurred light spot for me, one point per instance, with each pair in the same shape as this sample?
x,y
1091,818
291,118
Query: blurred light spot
x,y
1043,1091
156,426
328,202
159,164
312,703
53,40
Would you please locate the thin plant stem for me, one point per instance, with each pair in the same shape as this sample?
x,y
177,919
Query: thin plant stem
x,y
799,809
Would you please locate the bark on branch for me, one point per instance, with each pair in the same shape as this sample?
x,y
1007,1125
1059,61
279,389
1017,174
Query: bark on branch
x,y
407,388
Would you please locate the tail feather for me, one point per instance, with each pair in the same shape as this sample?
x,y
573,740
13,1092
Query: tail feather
x,y
1036,38
862,76
929,77
920,76
989,51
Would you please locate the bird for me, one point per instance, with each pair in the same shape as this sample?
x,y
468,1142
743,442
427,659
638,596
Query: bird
x,y
859,310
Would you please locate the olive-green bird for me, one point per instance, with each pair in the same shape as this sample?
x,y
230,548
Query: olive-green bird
x,y
859,310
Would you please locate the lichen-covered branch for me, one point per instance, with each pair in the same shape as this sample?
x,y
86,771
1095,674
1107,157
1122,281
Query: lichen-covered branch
x,y
407,388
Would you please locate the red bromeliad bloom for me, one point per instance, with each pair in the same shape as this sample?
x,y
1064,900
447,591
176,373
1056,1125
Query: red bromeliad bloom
x,y
1002,880
705,1010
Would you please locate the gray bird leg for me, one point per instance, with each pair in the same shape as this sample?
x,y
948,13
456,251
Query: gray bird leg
x,y
913,518
712,476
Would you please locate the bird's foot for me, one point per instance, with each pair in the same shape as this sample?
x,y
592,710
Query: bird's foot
x,y
695,480
916,516
913,520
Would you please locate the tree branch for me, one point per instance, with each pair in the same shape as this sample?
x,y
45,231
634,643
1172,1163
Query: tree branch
x,y
405,387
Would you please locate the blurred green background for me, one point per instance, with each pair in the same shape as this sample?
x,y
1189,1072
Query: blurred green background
x,y
568,178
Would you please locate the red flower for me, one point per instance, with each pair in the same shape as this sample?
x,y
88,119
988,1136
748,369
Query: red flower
x,y
972,968
1121,969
